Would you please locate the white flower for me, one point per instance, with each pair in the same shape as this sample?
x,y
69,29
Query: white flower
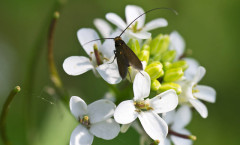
x,y
137,29
191,92
178,120
95,120
100,58
147,110
177,43
103,27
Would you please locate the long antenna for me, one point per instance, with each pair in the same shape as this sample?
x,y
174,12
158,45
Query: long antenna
x,y
96,40
144,14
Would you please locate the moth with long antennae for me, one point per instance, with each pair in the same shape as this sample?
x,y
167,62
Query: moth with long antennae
x,y
124,55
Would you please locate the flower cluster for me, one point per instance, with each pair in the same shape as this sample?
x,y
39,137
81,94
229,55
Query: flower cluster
x,y
163,92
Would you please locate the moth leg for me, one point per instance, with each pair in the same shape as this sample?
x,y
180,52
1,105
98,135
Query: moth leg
x,y
141,73
114,57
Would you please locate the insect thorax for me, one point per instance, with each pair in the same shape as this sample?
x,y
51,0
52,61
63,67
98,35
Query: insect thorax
x,y
118,41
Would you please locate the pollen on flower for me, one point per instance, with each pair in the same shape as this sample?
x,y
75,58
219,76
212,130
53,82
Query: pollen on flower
x,y
142,105
85,121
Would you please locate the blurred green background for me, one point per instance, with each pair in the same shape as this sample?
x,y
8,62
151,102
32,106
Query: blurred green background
x,y
209,27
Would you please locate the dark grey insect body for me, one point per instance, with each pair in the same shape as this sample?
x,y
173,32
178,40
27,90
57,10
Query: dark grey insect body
x,y
125,57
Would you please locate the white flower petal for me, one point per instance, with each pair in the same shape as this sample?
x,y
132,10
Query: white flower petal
x,y
125,112
154,125
199,74
205,93
132,12
169,117
177,43
164,102
100,110
182,118
107,129
85,35
103,27
109,72
157,23
140,35
192,68
81,136
108,46
141,85
116,20
78,107
76,65
200,107
181,141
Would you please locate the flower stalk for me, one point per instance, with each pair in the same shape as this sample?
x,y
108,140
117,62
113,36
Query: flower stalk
x,y
51,63
4,113
192,137
52,67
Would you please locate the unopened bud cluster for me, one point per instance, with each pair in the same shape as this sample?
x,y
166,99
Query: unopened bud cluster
x,y
161,66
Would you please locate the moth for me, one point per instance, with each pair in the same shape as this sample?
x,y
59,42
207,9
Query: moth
x,y
124,55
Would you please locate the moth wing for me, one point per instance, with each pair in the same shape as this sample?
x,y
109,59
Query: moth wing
x,y
123,64
132,58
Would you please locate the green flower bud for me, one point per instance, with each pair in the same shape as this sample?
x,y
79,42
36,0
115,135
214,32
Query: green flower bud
x,y
144,54
168,56
134,45
167,86
157,57
173,74
146,47
154,70
166,65
159,44
155,85
181,63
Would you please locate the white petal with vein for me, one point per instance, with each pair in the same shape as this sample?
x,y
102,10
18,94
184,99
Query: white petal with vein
x,y
125,112
81,136
107,129
85,35
154,125
78,107
100,110
76,65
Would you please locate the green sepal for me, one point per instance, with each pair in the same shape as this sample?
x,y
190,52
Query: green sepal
x,y
155,85
167,86
144,53
159,44
173,74
181,63
155,70
166,65
168,56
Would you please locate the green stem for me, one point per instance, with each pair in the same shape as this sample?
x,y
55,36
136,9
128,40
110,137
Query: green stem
x,y
3,117
54,76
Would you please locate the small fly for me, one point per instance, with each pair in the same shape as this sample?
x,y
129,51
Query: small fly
x,y
124,55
